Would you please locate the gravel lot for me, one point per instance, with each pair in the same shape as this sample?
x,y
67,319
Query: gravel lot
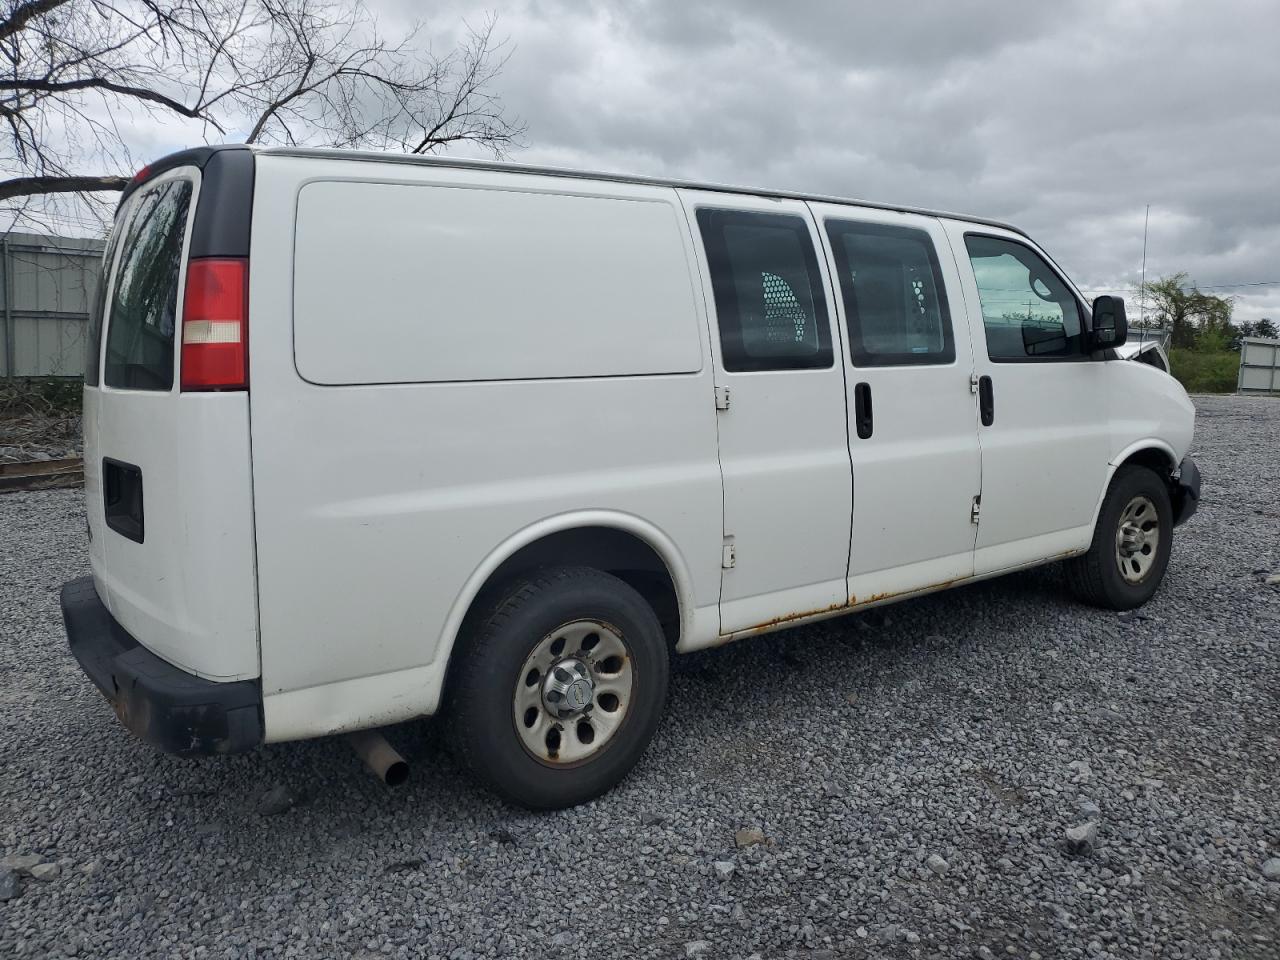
x,y
913,773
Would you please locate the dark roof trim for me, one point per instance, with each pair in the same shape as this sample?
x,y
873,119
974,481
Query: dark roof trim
x,y
501,166
224,211
195,157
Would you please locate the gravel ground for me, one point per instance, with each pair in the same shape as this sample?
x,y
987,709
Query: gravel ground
x,y
912,773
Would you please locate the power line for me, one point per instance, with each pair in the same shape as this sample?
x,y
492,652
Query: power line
x,y
1021,291
1196,286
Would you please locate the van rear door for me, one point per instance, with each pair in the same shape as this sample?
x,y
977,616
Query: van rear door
x,y
168,474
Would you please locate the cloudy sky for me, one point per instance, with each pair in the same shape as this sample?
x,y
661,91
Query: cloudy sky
x,y
1067,118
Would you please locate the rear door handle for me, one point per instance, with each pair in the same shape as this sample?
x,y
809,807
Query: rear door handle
x,y
863,419
986,401
122,498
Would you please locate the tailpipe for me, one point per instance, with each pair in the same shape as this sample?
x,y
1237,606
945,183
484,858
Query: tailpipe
x,y
379,756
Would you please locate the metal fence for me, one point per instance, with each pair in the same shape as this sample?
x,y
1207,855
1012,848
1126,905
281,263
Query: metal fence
x,y
46,286
1161,335
1259,366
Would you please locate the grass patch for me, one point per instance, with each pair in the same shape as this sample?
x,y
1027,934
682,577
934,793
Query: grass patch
x,y
1205,371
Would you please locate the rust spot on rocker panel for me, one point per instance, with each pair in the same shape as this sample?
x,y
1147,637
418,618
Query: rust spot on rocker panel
x,y
876,598
789,617
854,602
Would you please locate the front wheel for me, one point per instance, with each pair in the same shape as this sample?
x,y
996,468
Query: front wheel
x,y
558,687
1131,543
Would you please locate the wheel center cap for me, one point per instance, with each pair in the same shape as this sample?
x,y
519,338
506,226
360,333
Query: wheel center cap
x,y
568,689
579,694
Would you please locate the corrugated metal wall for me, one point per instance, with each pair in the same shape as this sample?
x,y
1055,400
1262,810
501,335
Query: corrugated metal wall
x,y
46,286
1259,366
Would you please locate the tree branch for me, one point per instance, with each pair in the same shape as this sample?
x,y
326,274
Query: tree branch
x,y
29,186
25,13
101,83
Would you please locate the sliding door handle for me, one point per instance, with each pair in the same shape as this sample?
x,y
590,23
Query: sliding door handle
x,y
863,419
986,401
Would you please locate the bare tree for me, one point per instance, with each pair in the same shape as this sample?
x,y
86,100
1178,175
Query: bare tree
x,y
78,77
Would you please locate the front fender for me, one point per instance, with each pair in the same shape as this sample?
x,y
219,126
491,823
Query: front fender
x,y
1133,449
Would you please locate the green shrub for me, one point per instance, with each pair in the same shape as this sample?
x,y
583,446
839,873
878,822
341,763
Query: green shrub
x,y
1205,372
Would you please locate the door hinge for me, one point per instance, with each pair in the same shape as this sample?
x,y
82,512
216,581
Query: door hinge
x,y
976,510
722,398
973,383
729,558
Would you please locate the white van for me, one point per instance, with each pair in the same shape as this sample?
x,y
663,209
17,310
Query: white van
x,y
373,437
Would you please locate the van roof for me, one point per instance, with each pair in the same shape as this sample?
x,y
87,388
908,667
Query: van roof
x,y
506,166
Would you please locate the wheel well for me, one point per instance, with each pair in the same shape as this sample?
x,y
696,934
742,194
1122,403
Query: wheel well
x,y
1152,458
617,552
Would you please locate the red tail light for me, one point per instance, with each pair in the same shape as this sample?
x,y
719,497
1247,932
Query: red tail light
x,y
215,325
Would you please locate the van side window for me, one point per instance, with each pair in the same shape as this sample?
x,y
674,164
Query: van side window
x,y
1027,310
768,291
144,305
894,299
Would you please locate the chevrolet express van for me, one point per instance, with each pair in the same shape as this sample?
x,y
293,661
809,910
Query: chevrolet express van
x,y
373,437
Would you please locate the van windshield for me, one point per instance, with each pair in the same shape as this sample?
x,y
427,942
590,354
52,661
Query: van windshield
x,y
144,306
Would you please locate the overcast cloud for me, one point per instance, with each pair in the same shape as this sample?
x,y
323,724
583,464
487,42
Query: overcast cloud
x,y
1066,118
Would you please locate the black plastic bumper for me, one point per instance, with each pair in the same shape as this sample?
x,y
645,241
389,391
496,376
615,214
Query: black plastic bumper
x,y
1186,492
156,701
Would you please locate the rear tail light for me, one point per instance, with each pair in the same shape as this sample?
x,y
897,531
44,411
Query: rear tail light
x,y
215,325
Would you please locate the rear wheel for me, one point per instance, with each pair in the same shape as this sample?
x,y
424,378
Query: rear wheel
x,y
1131,543
558,687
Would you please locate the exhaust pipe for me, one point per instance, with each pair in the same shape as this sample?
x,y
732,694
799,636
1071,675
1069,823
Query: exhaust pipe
x,y
379,756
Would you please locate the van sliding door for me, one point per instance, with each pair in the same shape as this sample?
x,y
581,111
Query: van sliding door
x,y
913,435
783,447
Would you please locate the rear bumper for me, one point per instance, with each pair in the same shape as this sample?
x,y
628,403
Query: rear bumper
x,y
1186,491
158,702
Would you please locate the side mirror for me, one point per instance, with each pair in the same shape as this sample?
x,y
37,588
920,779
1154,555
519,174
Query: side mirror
x,y
1110,328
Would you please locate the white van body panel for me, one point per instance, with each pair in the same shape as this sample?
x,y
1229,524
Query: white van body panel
x,y
1151,410
1045,458
1160,418
188,592
404,694
95,519
425,255
784,451
378,504
916,476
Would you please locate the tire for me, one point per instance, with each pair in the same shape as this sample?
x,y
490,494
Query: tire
x,y
1105,576
553,761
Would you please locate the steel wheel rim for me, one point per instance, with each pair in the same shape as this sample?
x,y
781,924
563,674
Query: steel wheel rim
x,y
573,692
1137,539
